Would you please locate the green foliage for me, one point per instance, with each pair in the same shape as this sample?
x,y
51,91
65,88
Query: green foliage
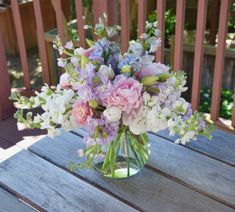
x,y
170,20
226,103
231,22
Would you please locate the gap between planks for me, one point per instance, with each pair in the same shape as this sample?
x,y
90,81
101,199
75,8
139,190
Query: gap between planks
x,y
187,185
22,198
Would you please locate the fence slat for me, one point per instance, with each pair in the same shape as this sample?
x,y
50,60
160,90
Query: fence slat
x,y
179,33
41,41
233,117
6,107
99,7
199,52
219,59
21,43
80,22
125,32
161,7
60,19
142,13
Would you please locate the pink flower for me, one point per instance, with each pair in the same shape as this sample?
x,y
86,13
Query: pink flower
x,y
64,81
126,94
81,111
154,69
87,52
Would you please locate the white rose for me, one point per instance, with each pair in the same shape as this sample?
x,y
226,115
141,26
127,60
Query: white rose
x,y
107,71
113,114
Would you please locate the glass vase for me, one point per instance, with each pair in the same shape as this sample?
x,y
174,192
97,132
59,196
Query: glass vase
x,y
125,156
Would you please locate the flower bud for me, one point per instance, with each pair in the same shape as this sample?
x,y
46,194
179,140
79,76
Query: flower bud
x,y
149,80
93,104
163,77
127,69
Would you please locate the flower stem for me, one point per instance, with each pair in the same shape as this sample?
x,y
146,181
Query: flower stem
x,y
127,155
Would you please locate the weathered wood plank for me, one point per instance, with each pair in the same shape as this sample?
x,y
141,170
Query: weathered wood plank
x,y
51,188
183,164
212,177
9,203
148,190
221,147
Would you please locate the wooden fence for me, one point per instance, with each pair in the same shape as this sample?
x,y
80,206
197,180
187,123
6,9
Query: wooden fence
x,y
100,6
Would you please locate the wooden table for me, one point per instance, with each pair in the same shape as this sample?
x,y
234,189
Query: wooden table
x,y
197,177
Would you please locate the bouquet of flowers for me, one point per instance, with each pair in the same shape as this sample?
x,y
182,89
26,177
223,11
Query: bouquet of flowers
x,y
117,98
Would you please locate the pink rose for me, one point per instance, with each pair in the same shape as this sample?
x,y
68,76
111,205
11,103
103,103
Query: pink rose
x,y
81,111
153,69
126,94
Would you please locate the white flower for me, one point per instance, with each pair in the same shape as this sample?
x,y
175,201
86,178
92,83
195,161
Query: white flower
x,y
79,51
69,45
61,50
80,152
53,132
61,62
189,135
64,80
106,71
113,114
154,43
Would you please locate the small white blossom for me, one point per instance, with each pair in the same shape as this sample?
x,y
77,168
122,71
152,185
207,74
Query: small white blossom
x,y
69,45
106,71
61,62
113,114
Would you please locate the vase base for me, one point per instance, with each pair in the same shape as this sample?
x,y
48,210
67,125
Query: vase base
x,y
121,170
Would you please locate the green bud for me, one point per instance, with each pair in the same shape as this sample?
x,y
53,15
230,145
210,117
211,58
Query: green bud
x,y
84,61
126,69
152,90
149,80
163,77
90,42
93,104
96,80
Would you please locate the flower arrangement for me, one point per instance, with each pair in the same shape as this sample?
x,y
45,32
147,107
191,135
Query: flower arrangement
x,y
117,98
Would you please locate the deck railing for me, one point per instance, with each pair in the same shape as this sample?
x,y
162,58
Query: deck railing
x,y
100,6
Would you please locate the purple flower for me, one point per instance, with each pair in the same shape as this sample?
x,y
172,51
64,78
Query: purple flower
x,y
101,131
188,113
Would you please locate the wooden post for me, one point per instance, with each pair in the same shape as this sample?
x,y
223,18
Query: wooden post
x,y
104,6
6,106
199,53
21,43
161,7
125,32
179,35
80,22
142,10
219,59
41,41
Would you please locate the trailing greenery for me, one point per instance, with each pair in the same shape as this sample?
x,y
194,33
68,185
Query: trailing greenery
x,y
226,103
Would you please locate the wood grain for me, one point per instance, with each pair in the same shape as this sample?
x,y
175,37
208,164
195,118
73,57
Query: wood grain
x,y
9,203
221,147
51,188
214,178
148,190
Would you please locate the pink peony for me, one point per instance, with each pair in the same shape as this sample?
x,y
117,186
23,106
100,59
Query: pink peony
x,y
81,111
154,69
126,94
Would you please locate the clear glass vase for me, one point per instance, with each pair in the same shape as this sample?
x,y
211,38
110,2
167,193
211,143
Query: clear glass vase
x,y
125,156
